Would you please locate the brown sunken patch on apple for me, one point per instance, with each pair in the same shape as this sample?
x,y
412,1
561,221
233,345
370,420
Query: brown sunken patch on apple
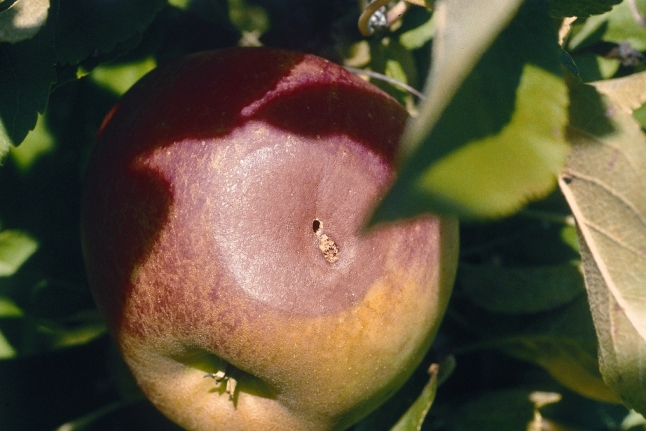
x,y
259,193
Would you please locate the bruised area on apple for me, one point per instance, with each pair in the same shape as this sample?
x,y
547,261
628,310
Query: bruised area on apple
x,y
214,189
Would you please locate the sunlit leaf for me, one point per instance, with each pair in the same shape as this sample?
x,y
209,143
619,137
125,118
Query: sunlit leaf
x,y
581,8
499,142
86,326
593,67
22,20
425,3
6,350
640,116
571,365
604,185
415,415
119,78
621,348
15,248
463,32
629,93
37,143
540,400
618,25
563,342
633,421
180,4
418,36
391,67
520,290
8,308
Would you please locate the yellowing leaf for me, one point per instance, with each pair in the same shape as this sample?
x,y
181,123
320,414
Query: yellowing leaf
x,y
622,350
604,185
629,92
569,363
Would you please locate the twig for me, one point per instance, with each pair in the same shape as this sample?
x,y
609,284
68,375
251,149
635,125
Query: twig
x,y
364,19
387,79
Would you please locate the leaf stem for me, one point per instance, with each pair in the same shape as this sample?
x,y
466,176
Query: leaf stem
x,y
385,78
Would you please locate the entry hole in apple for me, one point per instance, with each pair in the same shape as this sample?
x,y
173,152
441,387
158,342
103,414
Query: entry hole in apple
x,y
317,226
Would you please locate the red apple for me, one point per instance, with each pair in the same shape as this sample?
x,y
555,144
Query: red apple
x,y
221,225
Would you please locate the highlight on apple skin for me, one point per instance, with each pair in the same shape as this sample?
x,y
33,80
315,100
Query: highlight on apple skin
x,y
222,221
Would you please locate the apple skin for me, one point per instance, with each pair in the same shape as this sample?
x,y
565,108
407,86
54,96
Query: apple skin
x,y
199,210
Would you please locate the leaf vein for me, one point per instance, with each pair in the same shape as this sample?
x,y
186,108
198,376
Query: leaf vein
x,y
612,191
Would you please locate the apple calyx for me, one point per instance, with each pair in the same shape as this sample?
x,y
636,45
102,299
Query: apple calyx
x,y
220,377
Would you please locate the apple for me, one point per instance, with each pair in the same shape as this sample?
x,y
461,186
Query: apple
x,y
222,228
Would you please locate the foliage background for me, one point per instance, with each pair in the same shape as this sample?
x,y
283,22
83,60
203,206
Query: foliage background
x,y
506,114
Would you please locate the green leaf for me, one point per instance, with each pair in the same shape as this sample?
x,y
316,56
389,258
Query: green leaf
x,y
562,341
618,25
499,143
520,290
87,29
508,410
414,417
119,78
580,8
8,308
416,38
15,248
593,67
26,76
392,59
37,143
564,344
604,185
463,32
6,350
22,20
